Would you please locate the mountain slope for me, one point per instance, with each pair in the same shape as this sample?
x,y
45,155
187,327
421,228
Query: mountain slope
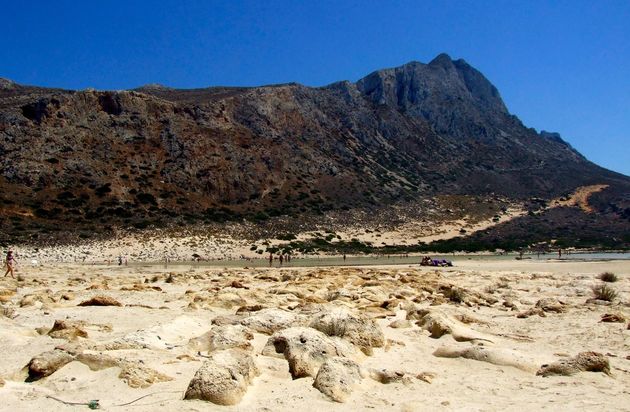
x,y
157,155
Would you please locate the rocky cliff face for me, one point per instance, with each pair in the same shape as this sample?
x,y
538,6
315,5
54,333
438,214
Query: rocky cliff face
x,y
156,154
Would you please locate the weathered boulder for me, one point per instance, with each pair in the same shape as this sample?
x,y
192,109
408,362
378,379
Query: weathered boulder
x,y
400,324
357,329
47,363
67,329
551,305
337,378
223,337
306,349
387,376
531,312
584,361
439,324
221,320
613,317
223,378
100,300
268,321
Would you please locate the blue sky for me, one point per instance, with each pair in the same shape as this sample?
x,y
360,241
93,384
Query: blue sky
x,y
560,65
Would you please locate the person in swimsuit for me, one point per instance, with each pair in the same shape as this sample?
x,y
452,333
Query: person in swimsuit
x,y
9,261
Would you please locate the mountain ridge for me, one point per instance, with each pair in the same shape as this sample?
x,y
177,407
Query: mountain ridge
x,y
154,155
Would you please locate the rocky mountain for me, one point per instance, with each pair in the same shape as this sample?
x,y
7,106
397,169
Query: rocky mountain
x,y
156,155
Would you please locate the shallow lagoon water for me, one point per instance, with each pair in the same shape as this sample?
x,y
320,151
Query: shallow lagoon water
x,y
392,260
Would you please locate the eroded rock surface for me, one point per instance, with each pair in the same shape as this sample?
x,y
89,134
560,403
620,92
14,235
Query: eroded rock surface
x,y
269,321
100,300
356,329
337,378
306,349
583,362
223,379
223,337
47,363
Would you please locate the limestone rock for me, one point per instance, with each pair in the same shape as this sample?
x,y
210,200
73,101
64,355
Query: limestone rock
x,y
268,321
139,376
306,349
439,324
47,363
337,378
613,317
228,300
100,300
227,319
531,312
551,305
584,361
495,356
223,379
67,329
386,376
356,329
400,323
223,337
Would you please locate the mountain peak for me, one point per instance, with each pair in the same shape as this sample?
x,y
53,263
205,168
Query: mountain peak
x,y
436,90
6,83
442,60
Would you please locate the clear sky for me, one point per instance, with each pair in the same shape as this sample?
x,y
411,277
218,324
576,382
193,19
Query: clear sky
x,y
560,65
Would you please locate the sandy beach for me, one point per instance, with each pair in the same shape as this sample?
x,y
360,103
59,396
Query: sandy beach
x,y
471,337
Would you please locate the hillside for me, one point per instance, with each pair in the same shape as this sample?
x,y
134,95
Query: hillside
x,y
88,162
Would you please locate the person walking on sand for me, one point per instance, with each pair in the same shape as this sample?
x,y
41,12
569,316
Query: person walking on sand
x,y
9,261
270,259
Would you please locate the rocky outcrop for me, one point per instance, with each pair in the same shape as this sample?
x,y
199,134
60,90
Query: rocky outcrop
x,y
154,155
223,379
100,301
337,378
439,323
356,329
69,330
268,321
306,349
223,337
583,362
47,363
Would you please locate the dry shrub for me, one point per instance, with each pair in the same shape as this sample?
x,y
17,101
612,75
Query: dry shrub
x,y
608,277
455,294
604,292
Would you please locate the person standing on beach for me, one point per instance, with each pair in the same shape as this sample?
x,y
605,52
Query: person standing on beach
x,y
270,259
9,261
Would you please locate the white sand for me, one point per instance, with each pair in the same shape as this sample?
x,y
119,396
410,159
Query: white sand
x,y
165,320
